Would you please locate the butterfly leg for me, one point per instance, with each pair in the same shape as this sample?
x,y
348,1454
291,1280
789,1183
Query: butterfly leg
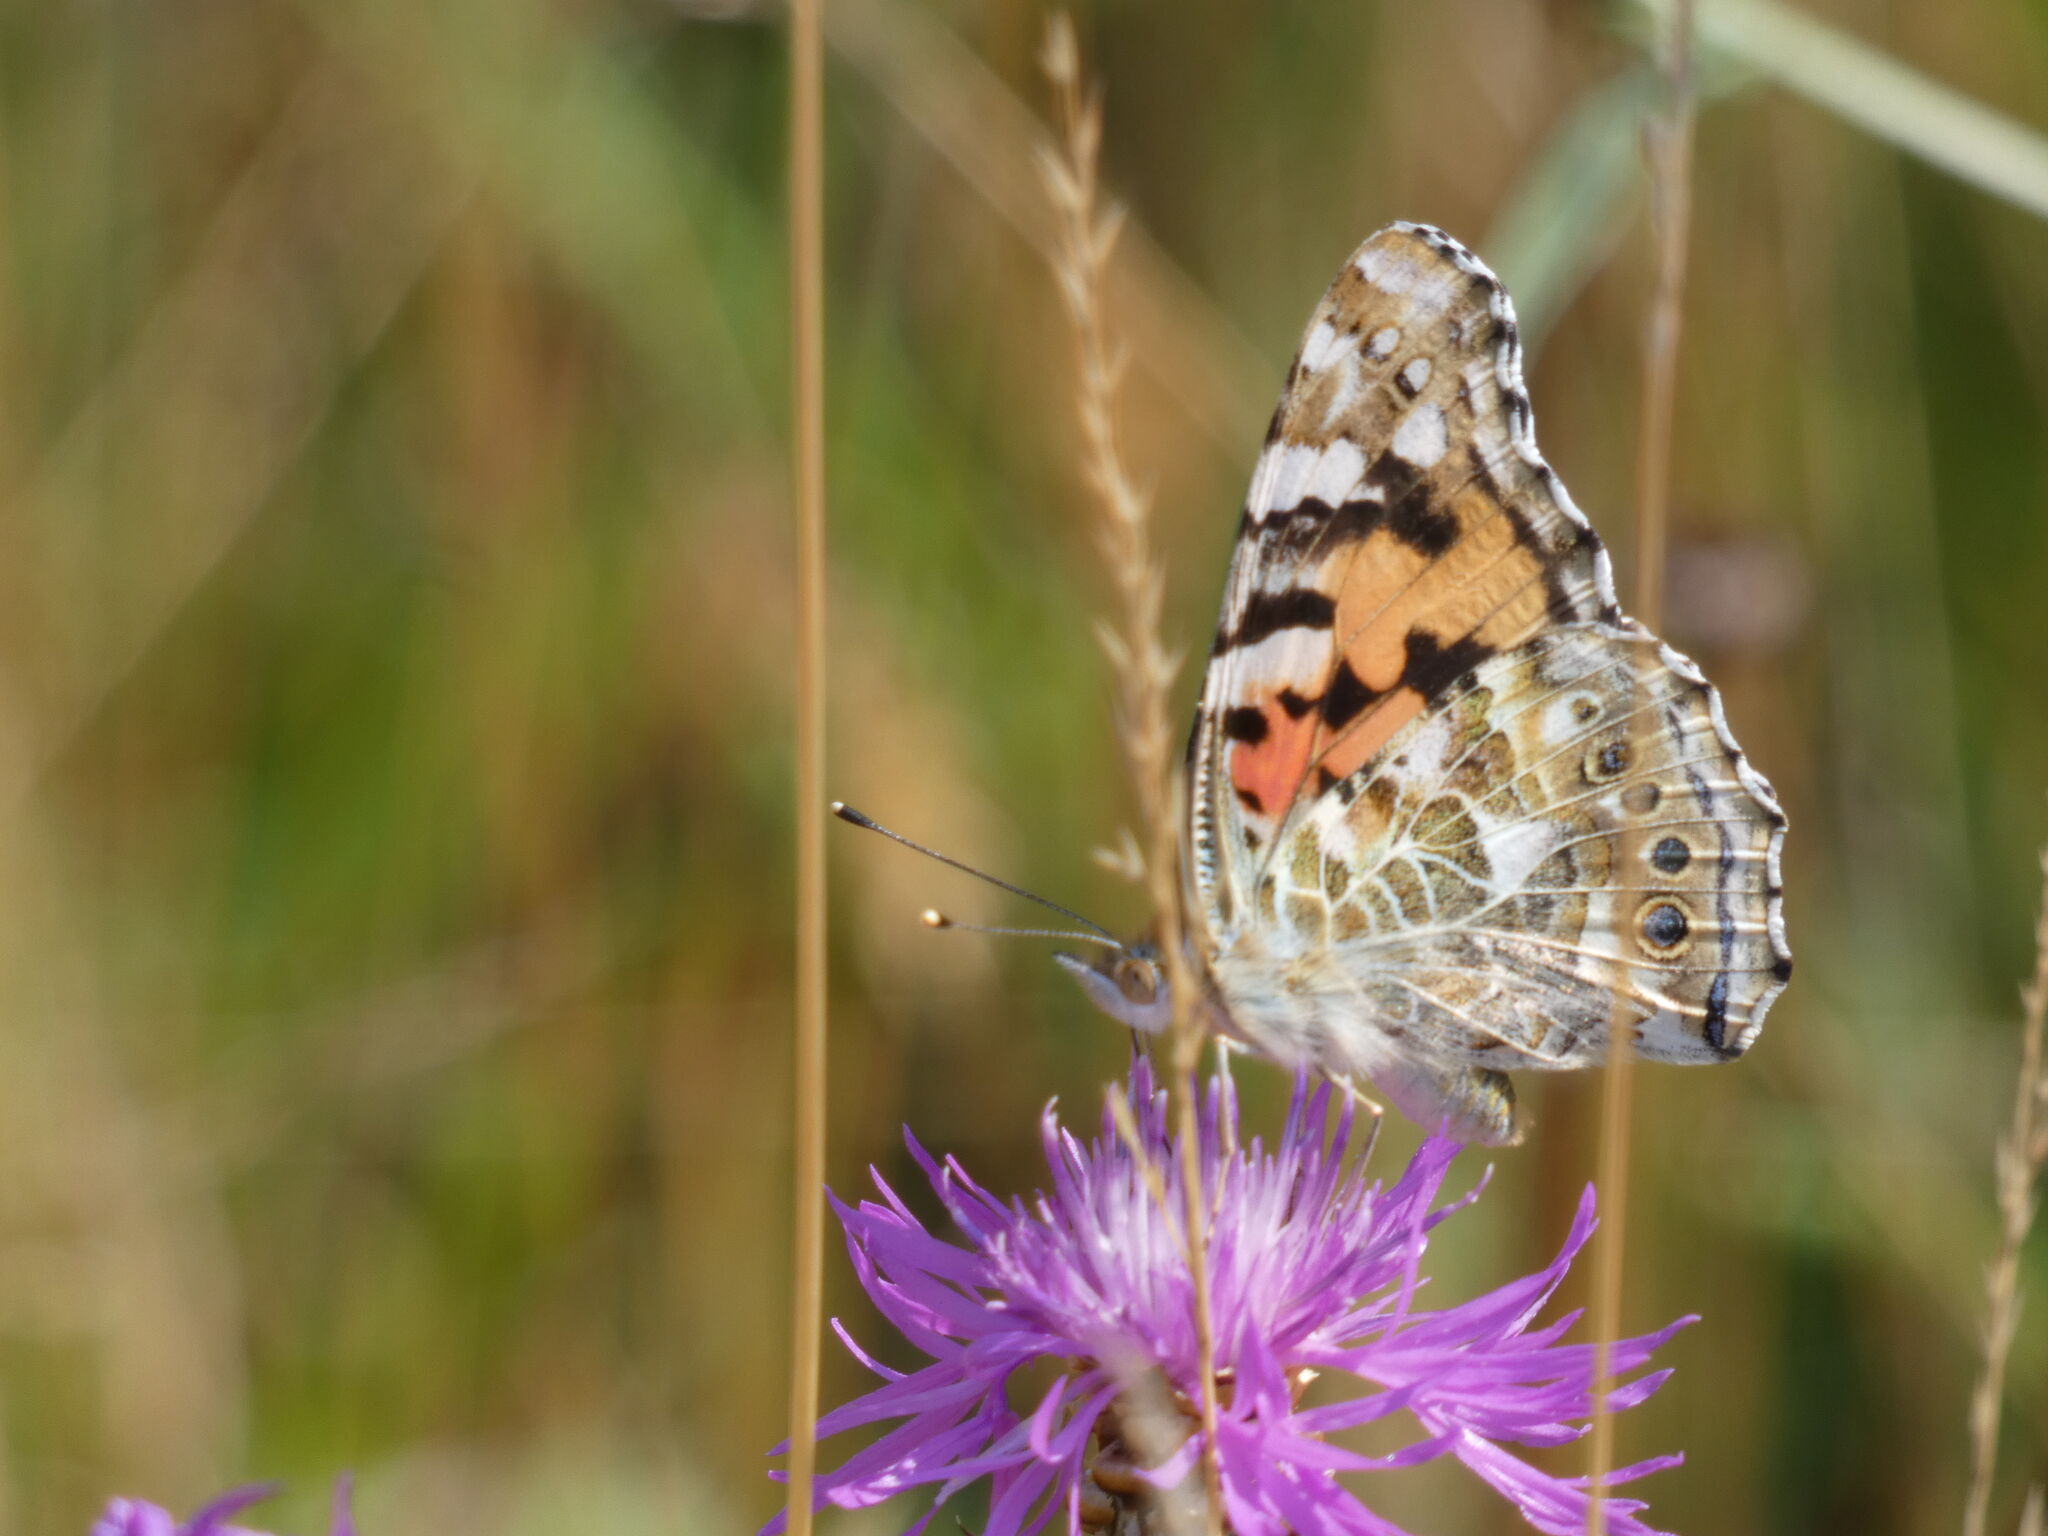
x,y
1225,1049
1376,1111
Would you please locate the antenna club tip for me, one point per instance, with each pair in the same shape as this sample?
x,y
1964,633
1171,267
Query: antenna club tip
x,y
838,807
935,919
846,812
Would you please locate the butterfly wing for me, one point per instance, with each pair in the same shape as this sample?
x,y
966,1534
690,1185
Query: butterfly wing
x,y
1400,529
1405,558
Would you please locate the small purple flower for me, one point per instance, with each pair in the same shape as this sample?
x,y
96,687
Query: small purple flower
x,y
132,1517
1313,1272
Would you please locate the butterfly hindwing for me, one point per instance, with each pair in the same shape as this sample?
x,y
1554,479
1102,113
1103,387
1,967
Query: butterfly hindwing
x,y
1572,825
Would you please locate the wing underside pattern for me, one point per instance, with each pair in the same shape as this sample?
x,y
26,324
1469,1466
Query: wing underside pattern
x,y
1426,727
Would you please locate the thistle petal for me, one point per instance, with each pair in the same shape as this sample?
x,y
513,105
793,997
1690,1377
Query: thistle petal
x,y
1311,1268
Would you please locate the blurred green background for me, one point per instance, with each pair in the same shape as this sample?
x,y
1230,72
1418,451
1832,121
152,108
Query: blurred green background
x,y
395,611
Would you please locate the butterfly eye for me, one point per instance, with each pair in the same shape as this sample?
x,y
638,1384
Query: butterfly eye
x,y
1134,979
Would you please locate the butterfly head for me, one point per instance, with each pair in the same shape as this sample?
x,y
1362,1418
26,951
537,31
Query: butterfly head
x,y
1128,983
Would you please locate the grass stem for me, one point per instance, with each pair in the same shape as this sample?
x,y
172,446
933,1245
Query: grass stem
x,y
1142,667
2022,1154
1669,148
807,384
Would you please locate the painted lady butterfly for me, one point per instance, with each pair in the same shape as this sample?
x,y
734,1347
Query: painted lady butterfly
x,y
1428,738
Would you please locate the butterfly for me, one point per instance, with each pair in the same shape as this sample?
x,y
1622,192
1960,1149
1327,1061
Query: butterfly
x,y
1449,813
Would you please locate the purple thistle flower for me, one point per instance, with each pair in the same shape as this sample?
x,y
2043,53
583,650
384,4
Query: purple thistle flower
x,y
1313,1271
133,1517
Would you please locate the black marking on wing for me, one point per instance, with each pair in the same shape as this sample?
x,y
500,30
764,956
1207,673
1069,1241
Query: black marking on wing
x,y
1408,507
1717,1015
1312,524
1433,665
1552,559
1267,613
1345,697
1418,521
1671,855
1245,724
1724,911
1665,926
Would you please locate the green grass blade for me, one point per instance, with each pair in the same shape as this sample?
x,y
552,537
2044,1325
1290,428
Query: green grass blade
x,y
1573,202
1881,96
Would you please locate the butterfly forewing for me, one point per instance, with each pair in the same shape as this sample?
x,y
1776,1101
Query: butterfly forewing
x,y
1400,529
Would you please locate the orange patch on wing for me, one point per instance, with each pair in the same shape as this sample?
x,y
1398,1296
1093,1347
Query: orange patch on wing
x,y
1381,573
1394,589
1270,769
1484,585
1515,620
1371,731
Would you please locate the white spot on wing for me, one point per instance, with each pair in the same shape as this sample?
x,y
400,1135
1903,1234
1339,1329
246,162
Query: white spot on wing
x,y
1281,478
1416,374
1667,1036
1561,722
1383,342
1427,749
1297,655
1337,472
1323,347
1337,839
1421,438
1514,849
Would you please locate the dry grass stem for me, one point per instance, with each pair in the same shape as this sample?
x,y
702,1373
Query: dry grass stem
x,y
1124,858
1669,150
2022,1154
1127,1133
807,330
1143,670
1142,667
2034,1517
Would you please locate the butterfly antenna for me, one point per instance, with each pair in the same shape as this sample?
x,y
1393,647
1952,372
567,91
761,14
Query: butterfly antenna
x,y
846,812
940,920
